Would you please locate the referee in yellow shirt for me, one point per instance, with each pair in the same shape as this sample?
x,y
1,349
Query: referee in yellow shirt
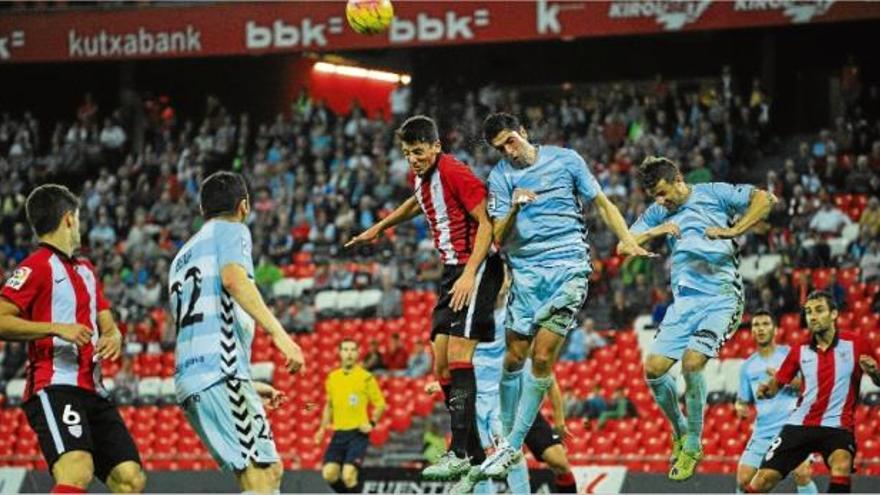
x,y
349,390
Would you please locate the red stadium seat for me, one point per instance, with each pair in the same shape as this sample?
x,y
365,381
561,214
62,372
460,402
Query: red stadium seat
x,y
821,277
848,276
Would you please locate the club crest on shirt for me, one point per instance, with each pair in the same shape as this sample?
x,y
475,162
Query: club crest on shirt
x,y
18,278
75,430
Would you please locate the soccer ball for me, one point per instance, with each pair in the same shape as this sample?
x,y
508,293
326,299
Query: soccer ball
x,y
369,16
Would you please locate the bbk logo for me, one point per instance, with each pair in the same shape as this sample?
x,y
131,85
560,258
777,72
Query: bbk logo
x,y
448,28
799,11
672,15
282,35
14,39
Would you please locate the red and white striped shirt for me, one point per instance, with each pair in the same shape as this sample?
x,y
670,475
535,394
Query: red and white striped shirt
x,y
446,195
50,286
831,380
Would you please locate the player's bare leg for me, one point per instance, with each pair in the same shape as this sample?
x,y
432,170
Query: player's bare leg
x,y
841,462
349,476
127,477
764,480
74,469
332,474
744,475
557,460
261,479
803,477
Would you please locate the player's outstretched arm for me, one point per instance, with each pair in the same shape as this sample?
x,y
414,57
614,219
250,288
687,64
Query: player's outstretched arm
x,y
407,210
614,220
760,206
668,228
13,327
245,293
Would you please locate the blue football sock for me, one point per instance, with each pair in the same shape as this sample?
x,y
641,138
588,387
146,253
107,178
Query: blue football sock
x,y
808,488
534,390
518,478
665,395
511,387
695,403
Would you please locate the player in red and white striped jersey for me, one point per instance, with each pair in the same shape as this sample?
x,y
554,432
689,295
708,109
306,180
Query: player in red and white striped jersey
x,y
55,301
832,364
453,200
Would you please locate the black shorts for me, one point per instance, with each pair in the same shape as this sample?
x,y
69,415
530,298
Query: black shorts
x,y
67,418
477,322
795,443
347,447
541,437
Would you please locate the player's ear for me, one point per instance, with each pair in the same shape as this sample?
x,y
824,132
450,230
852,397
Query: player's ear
x,y
522,132
69,219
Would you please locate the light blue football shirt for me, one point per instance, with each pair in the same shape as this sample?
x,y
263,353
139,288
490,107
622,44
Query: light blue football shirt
x,y
709,266
489,358
214,334
550,230
772,413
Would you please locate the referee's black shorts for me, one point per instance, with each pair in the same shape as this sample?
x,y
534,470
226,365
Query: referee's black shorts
x,y
795,443
475,321
67,418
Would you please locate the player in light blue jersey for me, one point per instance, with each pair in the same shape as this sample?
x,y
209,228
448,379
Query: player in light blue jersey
x,y
537,196
215,304
698,224
772,413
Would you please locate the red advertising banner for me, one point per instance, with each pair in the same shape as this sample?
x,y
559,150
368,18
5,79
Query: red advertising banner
x,y
222,29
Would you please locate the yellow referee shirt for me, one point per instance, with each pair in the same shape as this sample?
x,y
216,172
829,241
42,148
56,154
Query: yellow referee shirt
x,y
349,393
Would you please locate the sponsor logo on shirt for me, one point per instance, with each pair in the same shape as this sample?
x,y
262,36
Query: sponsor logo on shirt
x,y
18,278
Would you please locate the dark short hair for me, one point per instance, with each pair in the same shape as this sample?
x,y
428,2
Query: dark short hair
x,y
418,129
47,205
347,339
221,193
497,122
823,294
656,168
764,312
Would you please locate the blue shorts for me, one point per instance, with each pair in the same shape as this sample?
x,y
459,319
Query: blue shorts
x,y
229,418
347,447
547,297
488,416
698,321
755,450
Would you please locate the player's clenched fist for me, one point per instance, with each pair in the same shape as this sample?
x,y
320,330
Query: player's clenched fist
x,y
523,197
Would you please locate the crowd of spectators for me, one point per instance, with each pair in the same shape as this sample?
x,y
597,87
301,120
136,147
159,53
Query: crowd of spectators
x,y
318,178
